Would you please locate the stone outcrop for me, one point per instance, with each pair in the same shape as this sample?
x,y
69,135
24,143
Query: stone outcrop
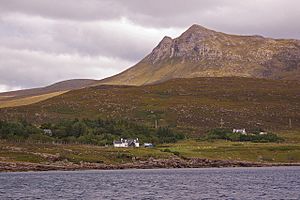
x,y
151,163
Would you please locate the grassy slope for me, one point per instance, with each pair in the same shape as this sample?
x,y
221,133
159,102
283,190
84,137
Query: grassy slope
x,y
56,87
189,105
23,152
28,100
34,95
286,152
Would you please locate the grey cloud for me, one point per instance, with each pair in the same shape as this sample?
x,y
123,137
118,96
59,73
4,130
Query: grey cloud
x,y
67,9
32,69
106,9
97,38
106,38
64,49
272,18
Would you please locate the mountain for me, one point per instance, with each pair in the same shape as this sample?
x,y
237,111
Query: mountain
x,y
192,105
188,83
28,96
200,52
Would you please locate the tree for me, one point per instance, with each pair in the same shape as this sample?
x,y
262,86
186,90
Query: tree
x,y
78,128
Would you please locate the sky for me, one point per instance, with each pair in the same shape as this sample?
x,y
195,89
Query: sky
x,y
46,41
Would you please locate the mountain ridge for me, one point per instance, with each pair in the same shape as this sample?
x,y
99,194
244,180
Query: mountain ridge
x,y
197,52
34,95
55,87
201,52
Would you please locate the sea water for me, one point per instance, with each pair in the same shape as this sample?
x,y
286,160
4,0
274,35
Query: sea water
x,y
210,183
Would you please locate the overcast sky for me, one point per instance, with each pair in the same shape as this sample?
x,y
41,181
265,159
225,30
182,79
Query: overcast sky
x,y
45,41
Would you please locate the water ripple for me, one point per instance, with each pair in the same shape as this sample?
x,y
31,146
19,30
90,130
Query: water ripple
x,y
228,183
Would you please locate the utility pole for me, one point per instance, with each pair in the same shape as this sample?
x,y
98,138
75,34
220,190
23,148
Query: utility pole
x,y
221,123
290,123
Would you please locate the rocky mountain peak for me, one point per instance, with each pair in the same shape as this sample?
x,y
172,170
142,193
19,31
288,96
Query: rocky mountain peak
x,y
187,46
196,33
196,28
201,52
161,51
166,40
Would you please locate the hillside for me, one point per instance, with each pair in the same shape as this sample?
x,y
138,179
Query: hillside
x,y
189,105
13,102
56,87
29,96
200,52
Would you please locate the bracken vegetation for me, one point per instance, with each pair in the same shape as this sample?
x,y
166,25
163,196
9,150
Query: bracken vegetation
x,y
190,106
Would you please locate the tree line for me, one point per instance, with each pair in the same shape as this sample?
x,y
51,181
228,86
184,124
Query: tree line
x,y
97,132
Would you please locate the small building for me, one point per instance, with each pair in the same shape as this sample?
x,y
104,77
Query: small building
x,y
263,133
148,145
120,143
126,143
241,131
47,132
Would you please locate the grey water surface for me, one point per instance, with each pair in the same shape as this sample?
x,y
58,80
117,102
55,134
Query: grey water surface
x,y
211,183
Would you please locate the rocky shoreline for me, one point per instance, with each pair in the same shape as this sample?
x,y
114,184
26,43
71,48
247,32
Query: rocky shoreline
x,y
148,164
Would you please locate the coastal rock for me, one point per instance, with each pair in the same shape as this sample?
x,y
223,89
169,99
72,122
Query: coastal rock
x,y
173,162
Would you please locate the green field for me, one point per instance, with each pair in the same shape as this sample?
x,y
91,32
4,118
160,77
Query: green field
x,y
284,152
41,153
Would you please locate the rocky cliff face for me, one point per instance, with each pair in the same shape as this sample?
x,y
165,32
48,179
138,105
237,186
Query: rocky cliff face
x,y
200,52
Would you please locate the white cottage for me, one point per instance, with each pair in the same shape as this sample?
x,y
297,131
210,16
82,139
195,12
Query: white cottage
x,y
48,132
241,131
263,133
127,143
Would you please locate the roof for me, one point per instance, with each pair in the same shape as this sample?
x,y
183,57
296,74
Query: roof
x,y
129,141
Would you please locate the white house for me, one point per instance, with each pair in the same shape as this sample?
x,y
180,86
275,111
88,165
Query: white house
x,y
120,143
127,143
48,132
242,131
263,133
